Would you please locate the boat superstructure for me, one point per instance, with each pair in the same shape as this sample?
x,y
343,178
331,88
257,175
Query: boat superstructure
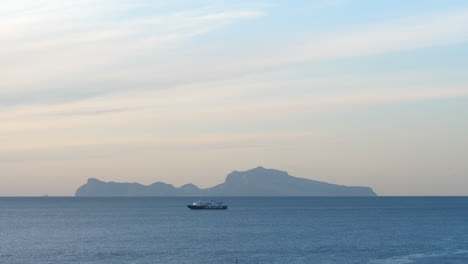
x,y
208,205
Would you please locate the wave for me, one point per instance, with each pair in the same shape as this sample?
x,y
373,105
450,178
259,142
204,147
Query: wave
x,y
412,258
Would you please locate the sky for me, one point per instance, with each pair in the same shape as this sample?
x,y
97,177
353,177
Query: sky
x,y
352,92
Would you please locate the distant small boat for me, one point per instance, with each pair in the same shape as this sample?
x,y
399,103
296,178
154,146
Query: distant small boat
x,y
208,205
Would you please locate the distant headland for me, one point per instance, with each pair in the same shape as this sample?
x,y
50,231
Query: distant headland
x,y
254,182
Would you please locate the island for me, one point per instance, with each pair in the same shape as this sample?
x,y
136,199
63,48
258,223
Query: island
x,y
255,182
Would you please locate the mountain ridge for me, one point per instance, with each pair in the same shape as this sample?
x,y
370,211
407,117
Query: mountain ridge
x,y
255,182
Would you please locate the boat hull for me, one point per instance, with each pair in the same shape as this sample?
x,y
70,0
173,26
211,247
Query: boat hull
x,y
207,207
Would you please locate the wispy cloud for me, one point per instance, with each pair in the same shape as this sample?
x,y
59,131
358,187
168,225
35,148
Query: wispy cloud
x,y
409,33
77,50
130,55
72,47
186,109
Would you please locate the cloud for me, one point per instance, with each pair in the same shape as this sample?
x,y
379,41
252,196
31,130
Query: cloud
x,y
71,49
247,106
122,77
414,32
59,51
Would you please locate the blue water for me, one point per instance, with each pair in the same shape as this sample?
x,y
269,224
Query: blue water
x,y
253,230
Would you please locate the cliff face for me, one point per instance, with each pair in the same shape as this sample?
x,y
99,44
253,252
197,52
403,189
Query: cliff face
x,y
254,182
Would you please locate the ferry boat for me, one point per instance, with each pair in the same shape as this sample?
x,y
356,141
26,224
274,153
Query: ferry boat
x,y
208,205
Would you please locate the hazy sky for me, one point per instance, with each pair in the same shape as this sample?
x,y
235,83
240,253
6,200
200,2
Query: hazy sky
x,y
371,93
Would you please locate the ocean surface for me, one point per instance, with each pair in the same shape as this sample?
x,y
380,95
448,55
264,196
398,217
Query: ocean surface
x,y
253,230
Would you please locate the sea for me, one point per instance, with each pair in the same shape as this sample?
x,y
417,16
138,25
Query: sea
x,y
341,230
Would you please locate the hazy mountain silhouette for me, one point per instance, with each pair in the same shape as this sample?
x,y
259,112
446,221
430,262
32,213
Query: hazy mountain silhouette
x,y
254,182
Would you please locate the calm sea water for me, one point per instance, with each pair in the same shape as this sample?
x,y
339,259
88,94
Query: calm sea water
x,y
253,230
